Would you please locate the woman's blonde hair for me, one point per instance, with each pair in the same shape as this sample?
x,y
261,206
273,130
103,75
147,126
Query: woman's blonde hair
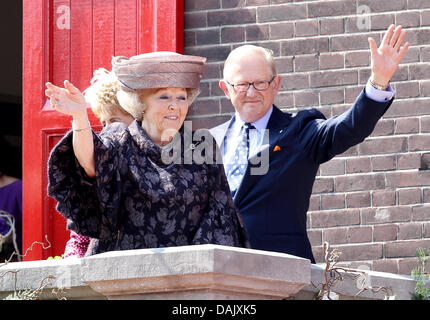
x,y
132,101
102,93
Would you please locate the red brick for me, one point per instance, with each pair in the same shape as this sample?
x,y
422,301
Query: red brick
x,y
207,36
405,248
351,42
426,231
282,30
323,185
387,232
425,54
295,81
333,78
412,55
306,63
425,124
407,179
205,106
209,121
306,28
201,5
406,265
419,142
315,203
386,265
233,16
409,89
381,21
336,201
358,200
335,235
425,88
408,161
407,125
357,59
354,252
332,96
425,161
284,65
363,75
331,61
195,20
315,237
426,195
408,19
351,93
360,234
307,98
360,182
418,4
257,32
385,5
425,18
284,99
383,198
411,230
409,196
257,2
358,165
330,26
385,215
330,8
334,218
383,127
401,74
419,71
421,212
232,34
304,46
383,163
276,13
333,167
383,145
233,3
408,108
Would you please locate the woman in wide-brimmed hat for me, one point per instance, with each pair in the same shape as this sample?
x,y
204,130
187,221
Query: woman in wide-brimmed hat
x,y
117,186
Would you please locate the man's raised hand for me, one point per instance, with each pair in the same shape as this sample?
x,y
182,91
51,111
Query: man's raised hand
x,y
386,58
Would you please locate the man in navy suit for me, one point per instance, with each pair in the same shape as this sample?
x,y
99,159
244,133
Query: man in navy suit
x,y
282,151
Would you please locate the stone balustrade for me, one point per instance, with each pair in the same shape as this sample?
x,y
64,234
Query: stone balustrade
x,y
186,273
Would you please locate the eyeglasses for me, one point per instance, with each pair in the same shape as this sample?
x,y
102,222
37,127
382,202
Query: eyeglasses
x,y
258,85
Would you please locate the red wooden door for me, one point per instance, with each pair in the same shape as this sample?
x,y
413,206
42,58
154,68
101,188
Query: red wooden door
x,y
69,39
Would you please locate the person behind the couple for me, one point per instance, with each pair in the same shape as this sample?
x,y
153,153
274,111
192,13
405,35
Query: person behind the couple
x,y
116,187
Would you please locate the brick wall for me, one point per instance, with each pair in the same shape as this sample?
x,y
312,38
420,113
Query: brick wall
x,y
373,201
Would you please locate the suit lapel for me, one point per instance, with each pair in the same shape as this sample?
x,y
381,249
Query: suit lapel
x,y
275,127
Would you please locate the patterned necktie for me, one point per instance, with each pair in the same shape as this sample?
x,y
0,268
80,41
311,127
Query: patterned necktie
x,y
236,170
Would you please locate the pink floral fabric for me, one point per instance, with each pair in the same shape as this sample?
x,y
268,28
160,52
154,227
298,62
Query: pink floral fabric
x,y
76,246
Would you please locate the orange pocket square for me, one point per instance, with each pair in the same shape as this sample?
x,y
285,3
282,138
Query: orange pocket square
x,y
277,148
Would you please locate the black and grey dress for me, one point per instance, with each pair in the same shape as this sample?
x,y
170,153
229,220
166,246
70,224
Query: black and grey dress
x,y
137,200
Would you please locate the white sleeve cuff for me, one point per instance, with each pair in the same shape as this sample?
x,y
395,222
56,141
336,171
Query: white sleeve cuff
x,y
379,95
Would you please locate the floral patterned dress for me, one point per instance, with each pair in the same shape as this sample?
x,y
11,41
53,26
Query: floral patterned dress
x,y
137,200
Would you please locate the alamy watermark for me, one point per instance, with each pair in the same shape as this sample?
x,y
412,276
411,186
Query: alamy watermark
x,y
197,147
363,19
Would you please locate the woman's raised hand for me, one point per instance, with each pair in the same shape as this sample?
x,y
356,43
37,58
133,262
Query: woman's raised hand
x,y
68,100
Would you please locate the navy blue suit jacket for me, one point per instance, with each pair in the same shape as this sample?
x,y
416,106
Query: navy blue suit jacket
x,y
274,205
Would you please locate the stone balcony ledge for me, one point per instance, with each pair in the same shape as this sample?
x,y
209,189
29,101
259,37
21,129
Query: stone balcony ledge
x,y
186,273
